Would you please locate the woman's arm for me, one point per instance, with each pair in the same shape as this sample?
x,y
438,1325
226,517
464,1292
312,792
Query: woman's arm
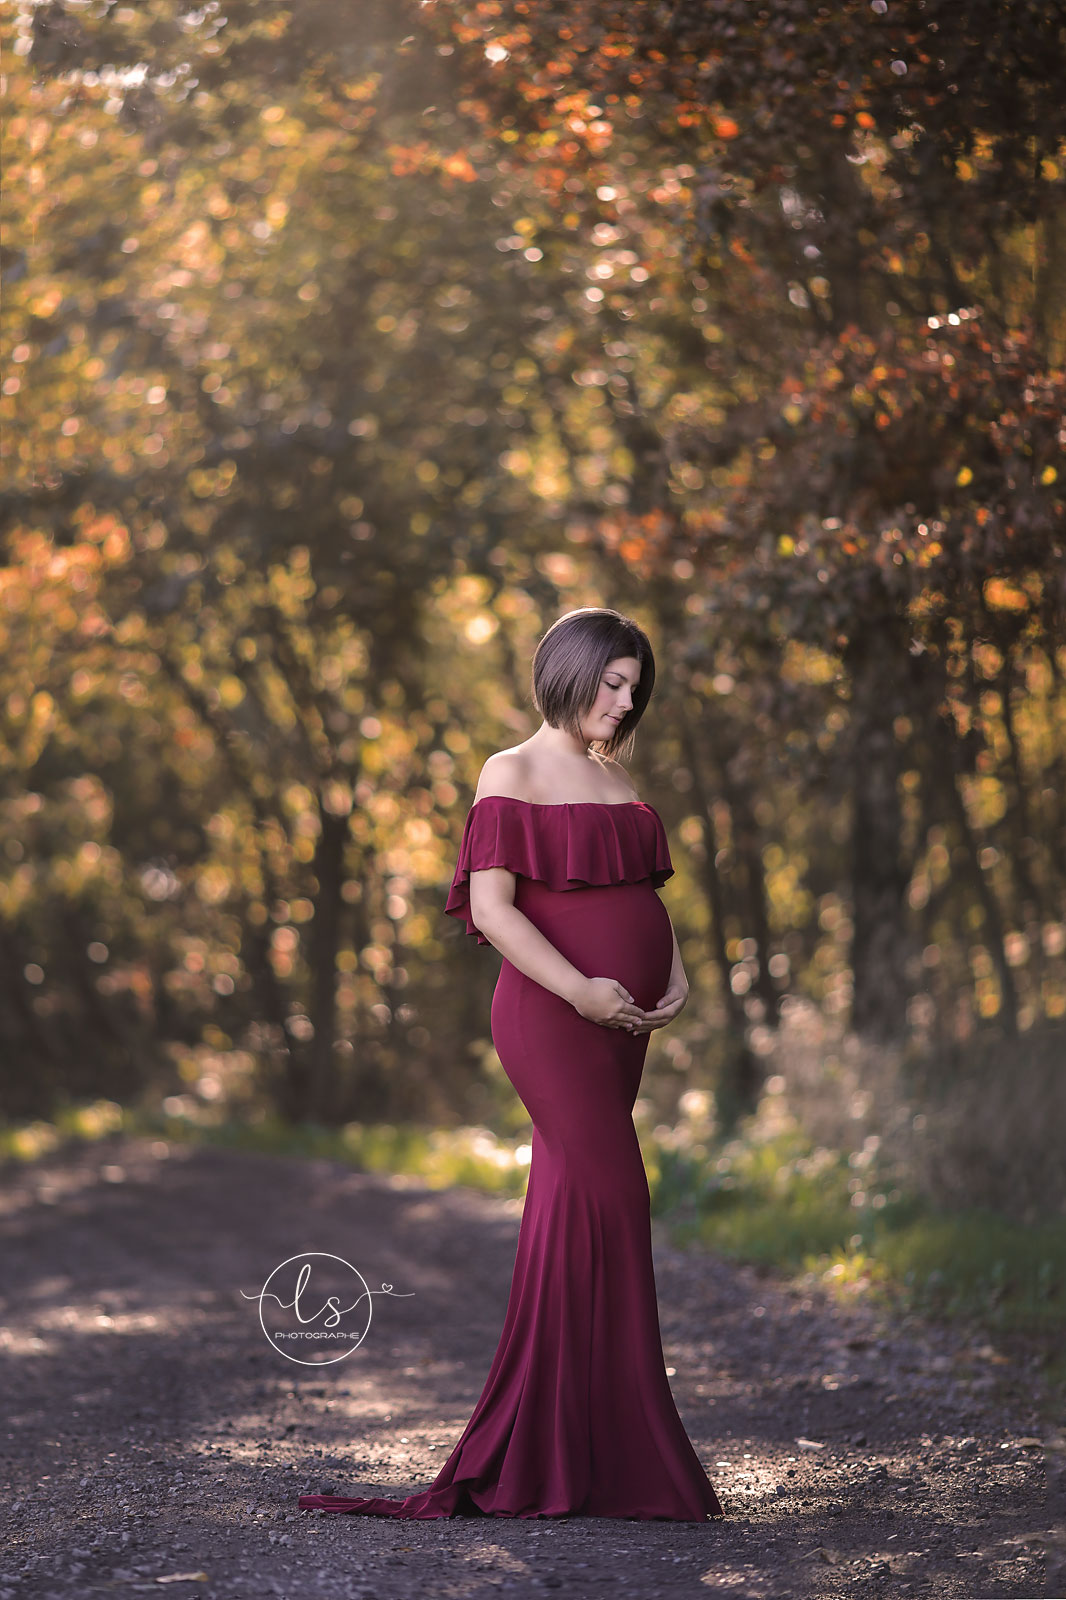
x,y
521,942
494,913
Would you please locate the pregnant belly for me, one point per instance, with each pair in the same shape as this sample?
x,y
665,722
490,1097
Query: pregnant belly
x,y
618,930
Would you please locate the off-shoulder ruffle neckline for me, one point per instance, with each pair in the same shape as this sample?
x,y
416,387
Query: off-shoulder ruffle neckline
x,y
558,805
563,851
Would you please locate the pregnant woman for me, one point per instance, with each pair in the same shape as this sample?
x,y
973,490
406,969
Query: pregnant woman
x,y
558,869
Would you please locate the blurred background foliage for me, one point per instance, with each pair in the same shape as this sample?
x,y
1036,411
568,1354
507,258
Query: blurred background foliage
x,y
346,346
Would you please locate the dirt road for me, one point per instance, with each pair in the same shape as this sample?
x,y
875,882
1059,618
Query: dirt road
x,y
155,1443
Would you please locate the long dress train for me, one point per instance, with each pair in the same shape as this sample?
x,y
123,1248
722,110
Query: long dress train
x,y
576,1415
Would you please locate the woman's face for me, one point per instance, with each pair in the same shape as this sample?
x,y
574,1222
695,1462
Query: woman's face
x,y
614,698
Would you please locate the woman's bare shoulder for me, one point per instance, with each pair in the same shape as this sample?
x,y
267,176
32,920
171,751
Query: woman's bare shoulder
x,y
505,774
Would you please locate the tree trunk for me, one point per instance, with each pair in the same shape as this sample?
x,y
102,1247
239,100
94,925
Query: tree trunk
x,y
738,1090
325,939
995,932
880,938
757,911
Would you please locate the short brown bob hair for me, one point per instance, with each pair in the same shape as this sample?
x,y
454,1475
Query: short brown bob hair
x,y
568,664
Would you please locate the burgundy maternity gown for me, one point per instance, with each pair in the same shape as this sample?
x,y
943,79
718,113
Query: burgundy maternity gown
x,y
576,1416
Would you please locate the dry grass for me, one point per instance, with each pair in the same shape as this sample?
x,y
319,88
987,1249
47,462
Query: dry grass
x,y
978,1124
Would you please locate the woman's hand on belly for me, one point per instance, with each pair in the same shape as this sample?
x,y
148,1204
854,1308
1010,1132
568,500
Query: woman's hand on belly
x,y
608,1002
666,1009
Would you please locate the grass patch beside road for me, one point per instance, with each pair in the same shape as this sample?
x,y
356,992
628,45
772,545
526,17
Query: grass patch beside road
x,y
784,1204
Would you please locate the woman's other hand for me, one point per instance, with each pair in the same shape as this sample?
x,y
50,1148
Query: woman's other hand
x,y
665,1010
